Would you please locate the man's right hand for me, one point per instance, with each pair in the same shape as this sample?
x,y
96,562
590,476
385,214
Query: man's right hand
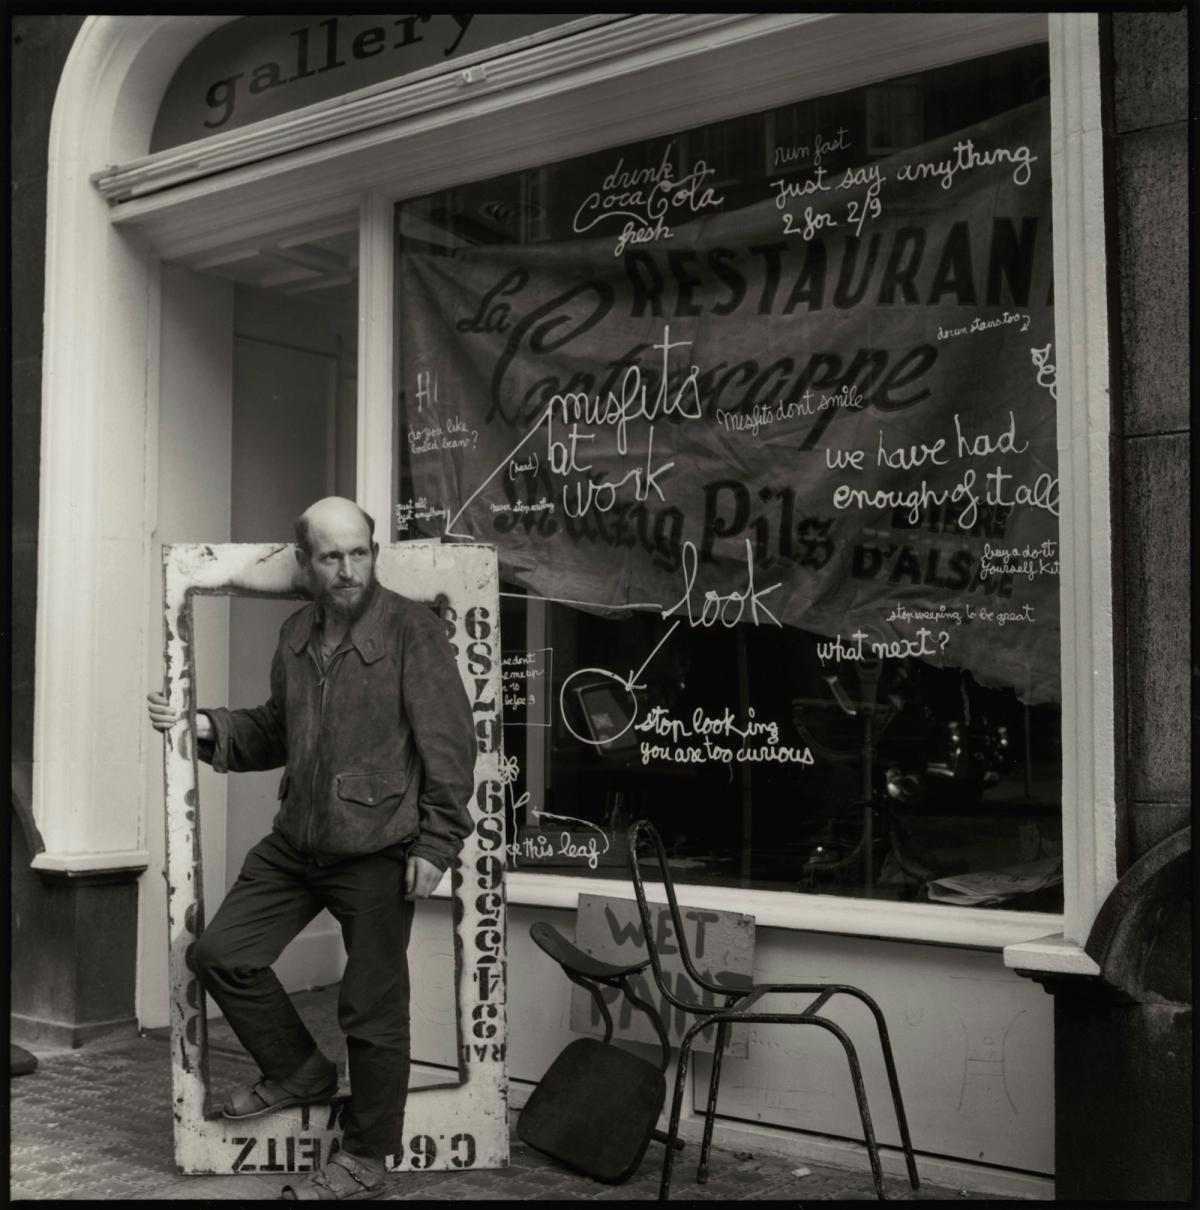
x,y
163,717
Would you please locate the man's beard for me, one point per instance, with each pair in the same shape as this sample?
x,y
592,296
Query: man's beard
x,y
334,602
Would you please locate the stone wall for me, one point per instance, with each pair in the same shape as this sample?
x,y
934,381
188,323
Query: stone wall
x,y
1124,1113
1149,111
72,938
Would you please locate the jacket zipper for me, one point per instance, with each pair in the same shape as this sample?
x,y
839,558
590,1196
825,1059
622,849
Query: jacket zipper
x,y
322,678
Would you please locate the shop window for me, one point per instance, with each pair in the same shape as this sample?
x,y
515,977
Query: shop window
x,y
761,419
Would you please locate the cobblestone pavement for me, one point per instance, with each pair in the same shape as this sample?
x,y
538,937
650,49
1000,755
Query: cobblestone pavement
x,y
95,1123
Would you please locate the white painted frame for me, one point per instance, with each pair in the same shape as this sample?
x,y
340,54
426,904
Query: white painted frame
x,y
448,1126
630,79
1089,738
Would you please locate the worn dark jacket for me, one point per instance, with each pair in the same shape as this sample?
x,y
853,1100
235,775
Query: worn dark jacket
x,y
378,751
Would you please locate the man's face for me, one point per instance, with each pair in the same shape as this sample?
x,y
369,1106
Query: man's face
x,y
340,567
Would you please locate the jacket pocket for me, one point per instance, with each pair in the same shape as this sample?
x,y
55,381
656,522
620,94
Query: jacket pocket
x,y
372,789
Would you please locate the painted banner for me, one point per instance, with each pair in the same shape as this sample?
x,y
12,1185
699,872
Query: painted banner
x,y
832,408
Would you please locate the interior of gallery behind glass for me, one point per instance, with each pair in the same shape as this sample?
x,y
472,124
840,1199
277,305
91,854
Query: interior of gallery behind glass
x,y
794,597
292,305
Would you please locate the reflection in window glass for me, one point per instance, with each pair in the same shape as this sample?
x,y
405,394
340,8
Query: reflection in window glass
x,y
760,417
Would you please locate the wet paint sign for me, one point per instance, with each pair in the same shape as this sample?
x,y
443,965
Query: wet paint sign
x,y
460,1124
722,948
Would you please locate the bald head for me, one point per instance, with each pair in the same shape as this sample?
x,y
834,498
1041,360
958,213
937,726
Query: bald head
x,y
333,512
335,548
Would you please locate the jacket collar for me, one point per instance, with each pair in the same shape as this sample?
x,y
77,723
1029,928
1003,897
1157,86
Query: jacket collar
x,y
366,634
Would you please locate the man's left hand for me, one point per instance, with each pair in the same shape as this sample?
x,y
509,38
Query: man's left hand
x,y
420,878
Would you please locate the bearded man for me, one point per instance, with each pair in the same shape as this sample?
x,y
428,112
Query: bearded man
x,y
370,720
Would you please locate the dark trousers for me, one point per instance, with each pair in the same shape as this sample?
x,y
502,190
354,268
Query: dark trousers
x,y
277,893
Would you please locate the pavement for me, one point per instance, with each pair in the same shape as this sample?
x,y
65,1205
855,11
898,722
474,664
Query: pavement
x,y
96,1124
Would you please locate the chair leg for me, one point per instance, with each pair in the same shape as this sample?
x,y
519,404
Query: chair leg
x,y
711,1112
664,1189
661,1136
902,1121
864,1111
894,1080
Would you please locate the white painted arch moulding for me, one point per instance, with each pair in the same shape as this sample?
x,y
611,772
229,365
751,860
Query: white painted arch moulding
x,y
96,529
95,518
1085,528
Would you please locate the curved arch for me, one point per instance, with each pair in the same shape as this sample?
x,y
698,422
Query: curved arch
x,y
1137,914
95,506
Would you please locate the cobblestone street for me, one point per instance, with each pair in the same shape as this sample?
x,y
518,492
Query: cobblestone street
x,y
95,1123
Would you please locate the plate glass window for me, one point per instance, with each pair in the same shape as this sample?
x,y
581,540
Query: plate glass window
x,y
761,417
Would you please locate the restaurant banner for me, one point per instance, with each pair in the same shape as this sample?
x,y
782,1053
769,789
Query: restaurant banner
x,y
832,408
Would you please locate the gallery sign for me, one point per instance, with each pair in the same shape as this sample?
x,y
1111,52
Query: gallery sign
x,y
261,67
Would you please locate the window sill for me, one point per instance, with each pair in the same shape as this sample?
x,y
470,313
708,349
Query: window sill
x,y
1050,955
929,923
135,860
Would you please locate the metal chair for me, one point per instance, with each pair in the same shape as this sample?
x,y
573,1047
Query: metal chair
x,y
596,1108
738,1003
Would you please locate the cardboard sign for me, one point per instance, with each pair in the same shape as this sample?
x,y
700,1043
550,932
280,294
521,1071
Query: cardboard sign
x,y
721,945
